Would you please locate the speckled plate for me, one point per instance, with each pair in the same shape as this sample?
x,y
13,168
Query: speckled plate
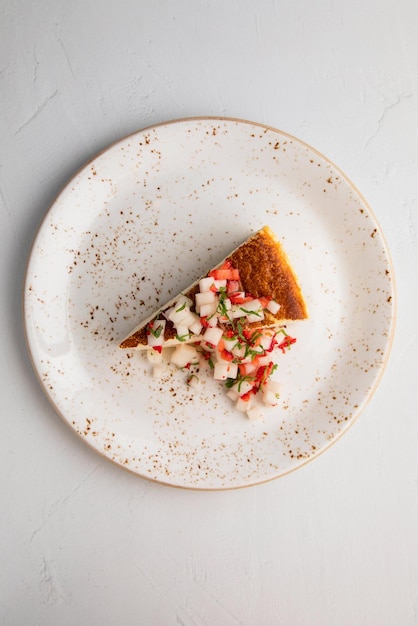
x,y
144,219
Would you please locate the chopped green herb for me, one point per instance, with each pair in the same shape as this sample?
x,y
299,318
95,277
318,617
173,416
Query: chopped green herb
x,y
247,312
183,306
221,308
183,337
156,332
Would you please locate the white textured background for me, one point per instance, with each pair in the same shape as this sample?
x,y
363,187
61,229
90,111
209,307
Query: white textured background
x,y
83,542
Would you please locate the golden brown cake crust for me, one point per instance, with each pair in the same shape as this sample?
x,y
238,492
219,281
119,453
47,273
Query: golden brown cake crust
x,y
264,271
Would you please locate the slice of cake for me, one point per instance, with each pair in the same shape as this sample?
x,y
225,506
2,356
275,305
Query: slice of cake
x,y
254,287
231,321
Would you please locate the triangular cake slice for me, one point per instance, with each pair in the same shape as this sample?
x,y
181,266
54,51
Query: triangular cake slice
x,y
253,287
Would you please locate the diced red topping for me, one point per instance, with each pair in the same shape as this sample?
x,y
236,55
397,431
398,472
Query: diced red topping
x,y
286,343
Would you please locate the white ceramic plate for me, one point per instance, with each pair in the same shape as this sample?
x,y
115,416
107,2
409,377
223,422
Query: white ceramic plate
x,y
144,219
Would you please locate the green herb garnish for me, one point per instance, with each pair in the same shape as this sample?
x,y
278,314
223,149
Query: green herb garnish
x,y
156,332
183,306
183,337
247,312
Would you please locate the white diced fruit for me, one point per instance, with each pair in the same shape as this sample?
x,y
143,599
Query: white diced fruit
x,y
263,360
207,297
213,320
243,405
266,339
240,294
269,398
206,283
193,380
154,356
257,316
230,343
189,318
182,299
272,386
158,371
255,312
154,340
220,284
225,369
233,394
248,368
168,312
243,387
273,307
213,335
180,310
254,413
177,315
196,327
238,350
236,311
184,354
182,331
205,310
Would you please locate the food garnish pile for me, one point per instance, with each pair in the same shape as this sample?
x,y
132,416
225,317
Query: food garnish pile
x,y
222,331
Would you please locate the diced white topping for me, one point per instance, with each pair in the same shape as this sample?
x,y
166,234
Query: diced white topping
x,y
213,335
239,294
273,307
255,413
206,283
192,380
257,316
238,350
184,354
154,356
207,297
213,320
177,315
225,369
189,318
266,339
242,387
248,368
243,405
196,327
220,284
205,310
182,299
263,360
179,312
269,398
158,371
236,312
182,331
168,312
272,386
156,333
230,343
256,311
233,394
